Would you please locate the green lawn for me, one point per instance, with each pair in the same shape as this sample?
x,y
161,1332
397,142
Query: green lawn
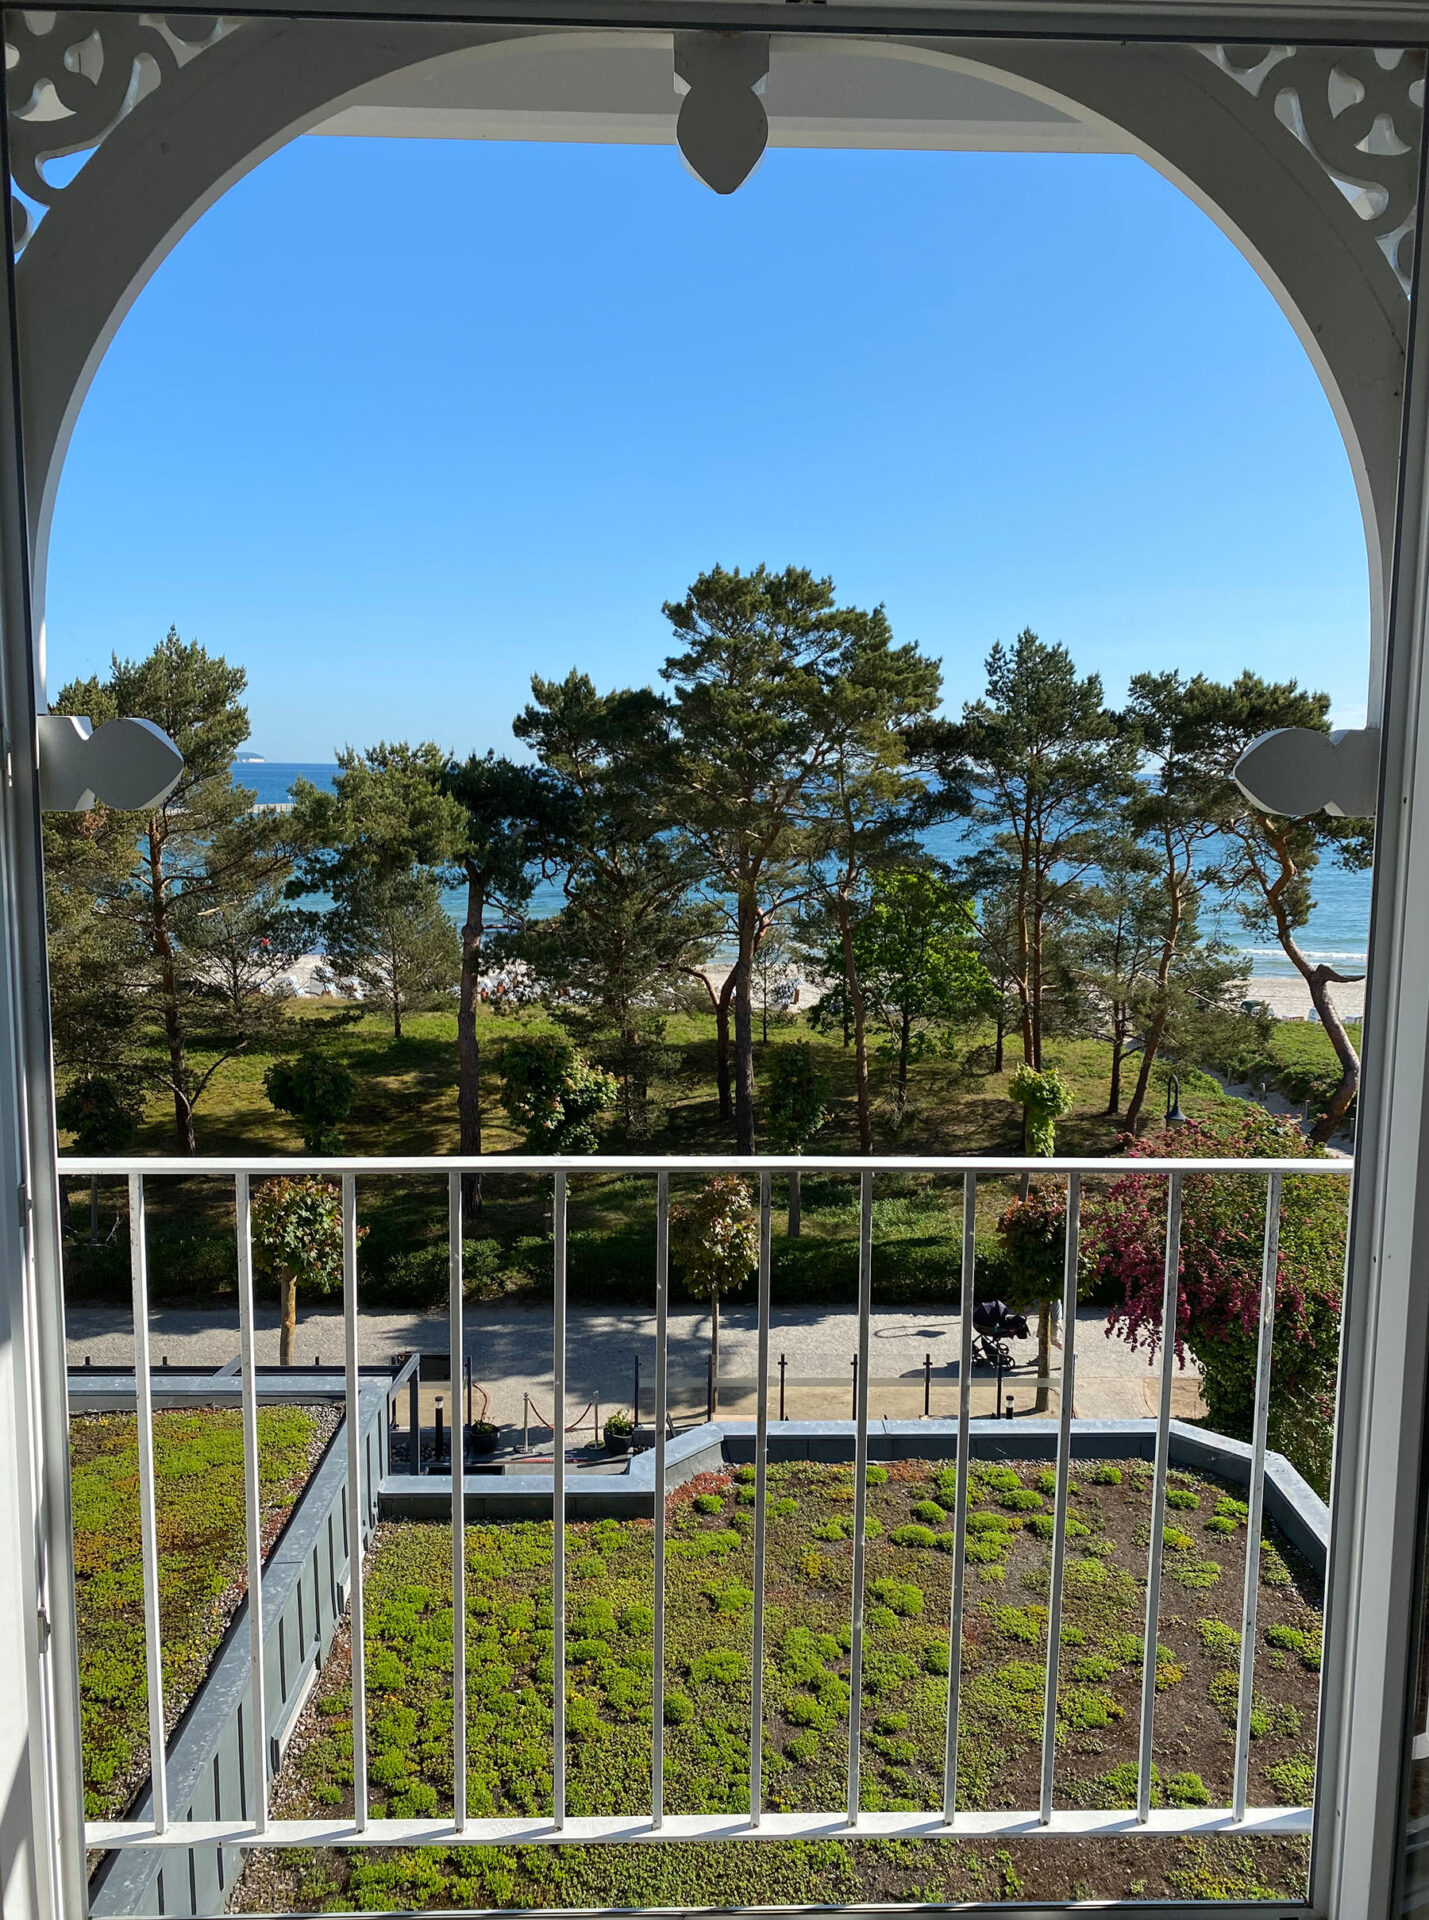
x,y
406,1103
707,1704
198,1460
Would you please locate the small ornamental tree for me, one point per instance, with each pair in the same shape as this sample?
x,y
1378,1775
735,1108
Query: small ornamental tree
x,y
297,1237
795,1107
103,1115
1032,1232
317,1092
1044,1098
552,1095
714,1238
1218,1302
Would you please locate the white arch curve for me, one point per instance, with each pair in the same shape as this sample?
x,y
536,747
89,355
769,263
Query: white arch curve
x,y
254,91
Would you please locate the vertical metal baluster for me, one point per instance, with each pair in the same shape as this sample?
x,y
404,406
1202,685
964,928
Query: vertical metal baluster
x,y
662,1310
960,1507
558,1506
1064,1469
456,1350
1255,1497
860,1489
355,1505
252,1507
1170,1291
148,1523
761,1517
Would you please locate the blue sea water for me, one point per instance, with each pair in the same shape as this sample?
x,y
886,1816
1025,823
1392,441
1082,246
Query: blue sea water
x,y
1338,929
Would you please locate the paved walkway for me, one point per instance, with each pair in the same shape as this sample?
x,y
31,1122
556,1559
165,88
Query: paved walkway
x,y
510,1352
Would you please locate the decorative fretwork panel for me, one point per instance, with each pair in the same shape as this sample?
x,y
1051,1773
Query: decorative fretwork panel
x,y
1359,111
72,77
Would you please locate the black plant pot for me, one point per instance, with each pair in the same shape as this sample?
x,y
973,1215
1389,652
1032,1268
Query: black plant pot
x,y
484,1435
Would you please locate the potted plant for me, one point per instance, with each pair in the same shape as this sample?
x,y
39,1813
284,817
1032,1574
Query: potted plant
x,y
619,1433
484,1436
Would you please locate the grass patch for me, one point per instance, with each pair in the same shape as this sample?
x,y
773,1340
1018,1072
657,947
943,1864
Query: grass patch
x,y
198,1471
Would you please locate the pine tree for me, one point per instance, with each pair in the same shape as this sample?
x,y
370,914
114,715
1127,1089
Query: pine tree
x,y
155,880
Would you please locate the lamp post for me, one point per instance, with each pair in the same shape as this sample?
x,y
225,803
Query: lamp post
x,y
1174,1115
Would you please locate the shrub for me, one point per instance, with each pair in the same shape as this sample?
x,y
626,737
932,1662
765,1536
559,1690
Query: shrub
x,y
1123,1233
1219,1639
1291,1638
803,1747
678,1709
707,1503
936,1657
1088,1708
929,1512
913,1536
1273,1570
1182,1498
1221,1523
1024,1500
1187,1790
1105,1475
1292,1782
900,1595
1176,1541
721,1666
806,1711
1195,1573
554,1096
875,1476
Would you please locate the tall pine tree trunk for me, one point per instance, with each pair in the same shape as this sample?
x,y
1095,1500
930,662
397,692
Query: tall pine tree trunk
x,y
744,1135
1143,1073
724,1078
1155,1033
855,998
468,1047
174,1036
1118,1041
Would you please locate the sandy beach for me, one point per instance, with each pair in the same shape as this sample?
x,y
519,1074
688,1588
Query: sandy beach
x,y
1290,999
1286,999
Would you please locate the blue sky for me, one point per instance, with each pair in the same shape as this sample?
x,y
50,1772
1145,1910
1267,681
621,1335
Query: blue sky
x,y
401,423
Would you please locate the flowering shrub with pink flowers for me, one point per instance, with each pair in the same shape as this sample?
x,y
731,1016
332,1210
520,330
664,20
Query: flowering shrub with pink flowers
x,y
1218,1305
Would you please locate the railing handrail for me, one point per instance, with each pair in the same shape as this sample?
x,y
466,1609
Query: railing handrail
x,y
230,1166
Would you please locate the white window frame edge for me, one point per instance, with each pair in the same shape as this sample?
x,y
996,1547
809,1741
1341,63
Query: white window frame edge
x,y
1371,1637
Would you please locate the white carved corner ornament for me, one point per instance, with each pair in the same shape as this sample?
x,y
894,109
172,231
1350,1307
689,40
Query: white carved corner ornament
x,y
125,764
1297,771
722,128
1358,112
70,78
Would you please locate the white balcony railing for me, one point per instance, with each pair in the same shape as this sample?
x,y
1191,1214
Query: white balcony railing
x,y
849,1820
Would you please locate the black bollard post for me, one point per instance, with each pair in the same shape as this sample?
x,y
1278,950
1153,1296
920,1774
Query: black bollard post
x,y
414,1426
783,1365
854,1414
437,1436
635,1397
927,1384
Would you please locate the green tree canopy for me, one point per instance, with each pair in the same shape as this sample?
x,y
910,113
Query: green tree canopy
x,y
156,886
317,1091
714,1244
1051,767
632,929
757,716
552,1095
915,950
297,1240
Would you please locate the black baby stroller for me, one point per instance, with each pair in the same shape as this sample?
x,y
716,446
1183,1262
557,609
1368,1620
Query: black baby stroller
x,y
994,1324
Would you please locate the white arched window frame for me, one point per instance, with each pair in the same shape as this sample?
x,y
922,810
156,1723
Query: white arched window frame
x,y
1185,85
